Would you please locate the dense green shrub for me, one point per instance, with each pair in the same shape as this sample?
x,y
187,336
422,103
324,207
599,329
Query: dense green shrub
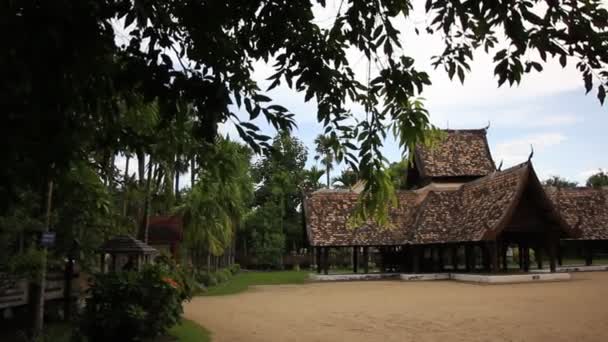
x,y
235,268
129,306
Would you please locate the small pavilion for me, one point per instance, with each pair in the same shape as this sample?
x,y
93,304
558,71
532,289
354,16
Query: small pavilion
x,y
125,251
461,213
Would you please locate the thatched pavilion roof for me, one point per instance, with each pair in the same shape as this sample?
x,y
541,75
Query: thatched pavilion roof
x,y
583,208
478,210
461,153
126,244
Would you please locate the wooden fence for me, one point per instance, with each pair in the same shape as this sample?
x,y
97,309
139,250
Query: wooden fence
x,y
18,292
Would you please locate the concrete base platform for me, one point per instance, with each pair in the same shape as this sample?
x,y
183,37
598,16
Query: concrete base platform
x,y
592,268
509,278
575,268
424,276
464,277
353,277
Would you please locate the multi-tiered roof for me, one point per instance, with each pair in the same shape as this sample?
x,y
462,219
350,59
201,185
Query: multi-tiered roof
x,y
459,196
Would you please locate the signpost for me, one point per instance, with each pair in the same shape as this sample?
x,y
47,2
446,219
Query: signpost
x,y
47,239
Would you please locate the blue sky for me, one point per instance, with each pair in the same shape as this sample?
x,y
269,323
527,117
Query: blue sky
x,y
548,110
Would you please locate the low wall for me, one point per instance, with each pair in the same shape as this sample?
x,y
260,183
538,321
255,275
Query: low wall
x,y
463,277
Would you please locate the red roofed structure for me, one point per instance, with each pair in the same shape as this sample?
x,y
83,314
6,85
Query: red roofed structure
x,y
166,233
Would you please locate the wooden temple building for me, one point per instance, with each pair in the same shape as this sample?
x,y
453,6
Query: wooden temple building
x,y
461,213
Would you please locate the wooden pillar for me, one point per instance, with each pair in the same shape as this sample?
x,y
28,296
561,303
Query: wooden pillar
x,y
588,248
468,256
520,256
552,246
526,258
366,259
454,257
355,259
319,259
538,253
441,261
504,250
326,260
559,253
416,249
403,264
493,253
486,256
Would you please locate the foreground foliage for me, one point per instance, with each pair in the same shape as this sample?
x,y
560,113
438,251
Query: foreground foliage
x,y
129,306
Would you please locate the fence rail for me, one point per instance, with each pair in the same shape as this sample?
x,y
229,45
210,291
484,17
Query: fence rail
x,y
17,293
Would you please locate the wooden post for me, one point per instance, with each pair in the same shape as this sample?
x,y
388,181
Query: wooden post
x,y
440,251
67,289
526,257
520,256
588,248
366,259
326,260
319,259
552,246
505,250
454,257
493,250
538,253
403,259
559,253
486,256
416,259
468,255
355,259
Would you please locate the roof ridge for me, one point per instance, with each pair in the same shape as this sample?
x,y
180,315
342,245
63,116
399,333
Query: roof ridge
x,y
496,173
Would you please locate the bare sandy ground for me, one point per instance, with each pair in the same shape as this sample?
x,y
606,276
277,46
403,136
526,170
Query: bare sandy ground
x,y
399,311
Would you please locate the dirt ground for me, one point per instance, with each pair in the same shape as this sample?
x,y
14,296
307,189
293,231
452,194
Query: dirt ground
x,y
576,310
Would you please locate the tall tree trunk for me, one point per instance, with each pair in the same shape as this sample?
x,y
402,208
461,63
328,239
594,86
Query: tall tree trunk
x,y
125,202
38,319
110,170
141,166
192,172
176,170
327,171
147,201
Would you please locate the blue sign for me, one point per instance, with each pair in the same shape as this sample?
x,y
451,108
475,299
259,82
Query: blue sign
x,y
47,239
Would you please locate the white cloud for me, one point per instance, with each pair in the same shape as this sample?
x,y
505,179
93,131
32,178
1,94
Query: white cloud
x,y
517,150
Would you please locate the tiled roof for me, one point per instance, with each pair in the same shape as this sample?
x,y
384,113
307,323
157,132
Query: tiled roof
x,y
461,153
165,229
126,244
478,210
584,208
327,213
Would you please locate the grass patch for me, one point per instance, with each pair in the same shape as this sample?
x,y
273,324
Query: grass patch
x,y
188,331
241,281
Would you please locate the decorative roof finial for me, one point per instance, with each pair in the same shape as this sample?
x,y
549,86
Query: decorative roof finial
x,y
487,127
500,166
531,152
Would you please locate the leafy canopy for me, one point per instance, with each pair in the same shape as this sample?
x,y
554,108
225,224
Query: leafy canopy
x,y
64,73
598,180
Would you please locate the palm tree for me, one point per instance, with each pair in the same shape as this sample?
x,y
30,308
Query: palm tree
x,y
346,180
311,179
215,205
325,153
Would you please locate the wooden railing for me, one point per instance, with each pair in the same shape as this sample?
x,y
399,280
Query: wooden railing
x,y
18,291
